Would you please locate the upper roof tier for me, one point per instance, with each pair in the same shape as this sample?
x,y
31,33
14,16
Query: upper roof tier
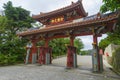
x,y
96,21
77,6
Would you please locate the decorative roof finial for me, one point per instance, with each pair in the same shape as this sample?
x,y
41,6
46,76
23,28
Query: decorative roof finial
x,y
41,13
80,0
72,2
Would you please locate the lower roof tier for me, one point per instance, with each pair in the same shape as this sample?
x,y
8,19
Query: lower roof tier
x,y
99,23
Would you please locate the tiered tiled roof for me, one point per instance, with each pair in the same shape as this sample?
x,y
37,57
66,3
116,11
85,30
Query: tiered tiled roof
x,y
87,21
62,10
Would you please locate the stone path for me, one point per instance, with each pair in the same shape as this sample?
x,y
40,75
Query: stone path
x,y
83,62
55,71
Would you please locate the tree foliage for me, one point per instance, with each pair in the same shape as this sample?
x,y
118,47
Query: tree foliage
x,y
3,22
104,43
18,17
79,45
116,60
86,52
59,46
113,37
11,47
110,5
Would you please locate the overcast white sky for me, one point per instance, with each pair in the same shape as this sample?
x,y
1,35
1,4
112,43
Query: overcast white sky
x,y
37,6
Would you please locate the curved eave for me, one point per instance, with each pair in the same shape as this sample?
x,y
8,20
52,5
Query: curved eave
x,y
69,25
62,10
82,9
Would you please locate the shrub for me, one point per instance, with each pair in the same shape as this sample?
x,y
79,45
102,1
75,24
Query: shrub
x,y
116,60
7,59
109,60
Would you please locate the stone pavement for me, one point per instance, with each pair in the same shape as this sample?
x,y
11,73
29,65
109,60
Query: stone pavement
x,y
55,71
83,62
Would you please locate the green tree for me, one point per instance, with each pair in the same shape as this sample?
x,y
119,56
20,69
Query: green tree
x,y
3,22
78,44
110,5
104,43
11,47
116,60
59,46
113,37
19,18
86,52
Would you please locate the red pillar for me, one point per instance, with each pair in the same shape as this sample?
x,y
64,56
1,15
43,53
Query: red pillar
x,y
33,49
71,57
48,51
30,56
70,53
46,43
95,39
72,40
41,58
50,55
95,43
45,53
43,50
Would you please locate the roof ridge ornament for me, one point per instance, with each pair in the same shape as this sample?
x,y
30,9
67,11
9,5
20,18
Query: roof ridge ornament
x,y
42,13
72,2
79,0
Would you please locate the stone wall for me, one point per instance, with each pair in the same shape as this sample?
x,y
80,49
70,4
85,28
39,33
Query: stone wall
x,y
108,52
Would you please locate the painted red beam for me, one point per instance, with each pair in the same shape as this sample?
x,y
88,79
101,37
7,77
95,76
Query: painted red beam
x,y
64,36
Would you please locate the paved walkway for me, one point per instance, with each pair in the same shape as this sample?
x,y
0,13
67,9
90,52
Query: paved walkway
x,y
55,71
83,62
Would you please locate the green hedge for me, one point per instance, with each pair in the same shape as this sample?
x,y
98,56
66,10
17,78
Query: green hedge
x,y
116,60
7,59
109,60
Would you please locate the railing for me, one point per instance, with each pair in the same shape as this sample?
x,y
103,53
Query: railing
x,y
90,17
96,16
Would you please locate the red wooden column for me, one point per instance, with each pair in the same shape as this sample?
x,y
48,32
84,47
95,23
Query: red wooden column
x,y
72,40
96,58
48,52
28,55
69,57
33,55
42,54
45,53
46,42
95,39
71,54
41,58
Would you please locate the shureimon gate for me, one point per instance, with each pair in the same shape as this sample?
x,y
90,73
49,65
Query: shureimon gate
x,y
69,21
